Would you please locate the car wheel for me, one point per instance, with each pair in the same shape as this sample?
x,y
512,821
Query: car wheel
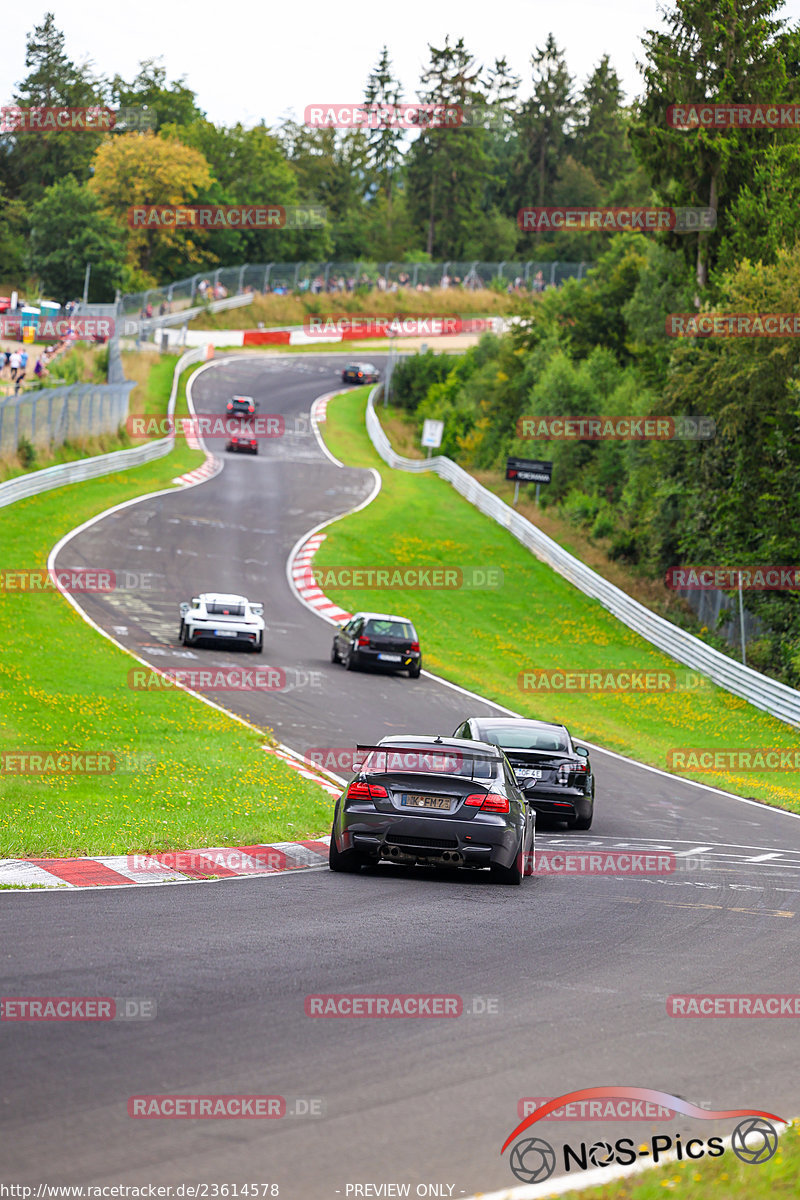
x,y
180,633
414,672
349,661
512,874
345,861
259,646
581,822
185,635
334,653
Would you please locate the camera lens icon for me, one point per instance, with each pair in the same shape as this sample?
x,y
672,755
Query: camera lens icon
x,y
601,1154
754,1140
533,1160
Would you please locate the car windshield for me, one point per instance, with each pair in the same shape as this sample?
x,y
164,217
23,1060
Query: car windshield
x,y
226,610
431,760
515,737
395,629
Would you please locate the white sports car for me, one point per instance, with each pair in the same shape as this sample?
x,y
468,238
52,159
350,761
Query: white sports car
x,y
220,617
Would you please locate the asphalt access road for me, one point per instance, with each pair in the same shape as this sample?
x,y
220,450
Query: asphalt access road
x,y
565,978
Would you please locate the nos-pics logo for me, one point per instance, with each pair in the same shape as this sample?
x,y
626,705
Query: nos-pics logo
x,y
533,1160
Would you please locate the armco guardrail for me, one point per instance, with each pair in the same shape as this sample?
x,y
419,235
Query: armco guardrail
x,y
35,482
775,698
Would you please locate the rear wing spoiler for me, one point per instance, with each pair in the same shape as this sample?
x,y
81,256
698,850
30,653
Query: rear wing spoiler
x,y
447,752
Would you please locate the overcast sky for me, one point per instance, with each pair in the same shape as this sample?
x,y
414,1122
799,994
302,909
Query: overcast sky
x,y
269,60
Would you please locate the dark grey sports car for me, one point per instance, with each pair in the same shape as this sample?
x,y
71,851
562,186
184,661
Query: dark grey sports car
x,y
432,801
554,773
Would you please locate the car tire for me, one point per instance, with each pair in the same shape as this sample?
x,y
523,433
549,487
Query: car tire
x,y
334,653
345,861
180,634
582,823
349,663
512,874
414,672
185,637
259,646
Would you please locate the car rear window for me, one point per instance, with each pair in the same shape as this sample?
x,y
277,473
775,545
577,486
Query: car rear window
x,y
396,629
427,761
510,737
226,610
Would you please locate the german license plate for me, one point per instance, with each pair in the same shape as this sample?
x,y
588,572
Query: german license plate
x,y
529,773
411,801
390,657
225,632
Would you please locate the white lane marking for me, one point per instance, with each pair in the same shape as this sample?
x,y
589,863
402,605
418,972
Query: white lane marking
x,y
763,857
694,850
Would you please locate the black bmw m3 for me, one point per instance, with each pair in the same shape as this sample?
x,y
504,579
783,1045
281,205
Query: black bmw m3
x,y
431,801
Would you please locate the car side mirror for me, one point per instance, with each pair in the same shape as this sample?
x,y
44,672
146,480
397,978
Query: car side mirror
x,y
528,785
358,763
257,609
185,606
581,751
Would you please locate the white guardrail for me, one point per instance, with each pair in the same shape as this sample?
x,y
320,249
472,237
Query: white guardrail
x,y
775,698
34,482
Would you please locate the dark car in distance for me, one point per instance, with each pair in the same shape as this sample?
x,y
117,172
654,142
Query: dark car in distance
x,y
241,406
554,773
378,640
242,443
420,800
361,372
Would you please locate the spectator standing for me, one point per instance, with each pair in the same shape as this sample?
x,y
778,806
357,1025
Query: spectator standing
x,y
14,363
38,370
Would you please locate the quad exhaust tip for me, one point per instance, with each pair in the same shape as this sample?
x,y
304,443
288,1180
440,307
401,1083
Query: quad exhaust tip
x,y
447,857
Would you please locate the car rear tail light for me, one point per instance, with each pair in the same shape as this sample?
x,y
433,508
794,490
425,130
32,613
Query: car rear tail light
x,y
488,802
564,772
415,647
363,641
361,790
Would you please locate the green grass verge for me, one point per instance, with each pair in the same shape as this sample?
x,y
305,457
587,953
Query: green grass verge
x,y
712,1179
186,775
536,619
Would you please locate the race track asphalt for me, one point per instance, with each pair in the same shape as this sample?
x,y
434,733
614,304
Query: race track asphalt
x,y
565,978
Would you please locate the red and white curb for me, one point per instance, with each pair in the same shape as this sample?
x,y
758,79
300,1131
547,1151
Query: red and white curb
x,y
207,470
306,586
165,866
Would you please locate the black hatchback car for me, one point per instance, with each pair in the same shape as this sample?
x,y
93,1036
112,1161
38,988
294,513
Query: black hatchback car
x,y
554,773
241,406
360,372
421,800
378,640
